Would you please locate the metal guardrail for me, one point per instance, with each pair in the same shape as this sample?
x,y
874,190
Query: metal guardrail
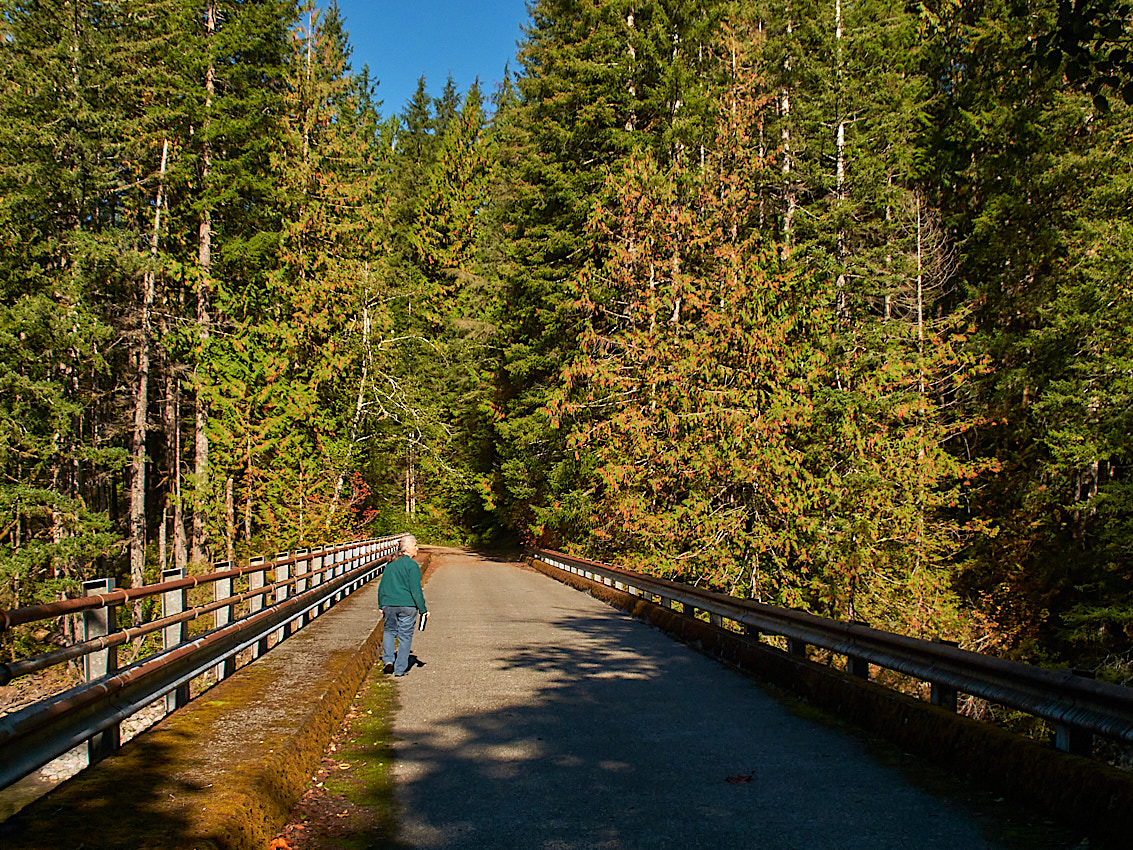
x,y
303,585
1079,706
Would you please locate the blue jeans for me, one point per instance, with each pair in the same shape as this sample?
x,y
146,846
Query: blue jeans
x,y
399,622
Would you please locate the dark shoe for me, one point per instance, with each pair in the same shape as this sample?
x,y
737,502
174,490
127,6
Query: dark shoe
x,y
398,675
388,668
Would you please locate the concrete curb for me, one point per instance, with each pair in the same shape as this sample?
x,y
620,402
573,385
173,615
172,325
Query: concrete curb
x,y
1090,795
224,771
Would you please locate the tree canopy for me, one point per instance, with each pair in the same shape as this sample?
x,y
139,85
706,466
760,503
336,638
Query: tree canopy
x,y
822,304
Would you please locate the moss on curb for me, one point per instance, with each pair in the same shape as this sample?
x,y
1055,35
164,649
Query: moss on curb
x,y
368,747
224,771
351,802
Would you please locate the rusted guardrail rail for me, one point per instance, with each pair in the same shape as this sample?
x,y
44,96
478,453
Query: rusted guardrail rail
x,y
281,596
1078,706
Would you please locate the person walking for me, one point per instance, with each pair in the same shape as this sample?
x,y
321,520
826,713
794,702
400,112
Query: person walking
x,y
400,597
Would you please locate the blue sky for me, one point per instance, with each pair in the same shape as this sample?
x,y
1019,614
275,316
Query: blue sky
x,y
402,39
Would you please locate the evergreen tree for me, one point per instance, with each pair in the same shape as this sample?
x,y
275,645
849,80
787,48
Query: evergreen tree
x,y
598,82
685,404
441,314
292,353
444,229
1028,168
80,152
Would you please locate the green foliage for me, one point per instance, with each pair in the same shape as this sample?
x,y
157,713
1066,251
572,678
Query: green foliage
x,y
830,311
691,384
1032,181
598,82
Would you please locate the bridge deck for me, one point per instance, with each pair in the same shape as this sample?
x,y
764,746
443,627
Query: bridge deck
x,y
538,718
542,718
224,770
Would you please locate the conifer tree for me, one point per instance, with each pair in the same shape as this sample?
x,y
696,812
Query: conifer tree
x,y
1028,168
79,166
597,83
238,66
439,315
287,380
444,230
687,397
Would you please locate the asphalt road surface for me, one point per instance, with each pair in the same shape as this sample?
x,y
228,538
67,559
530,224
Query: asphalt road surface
x,y
538,717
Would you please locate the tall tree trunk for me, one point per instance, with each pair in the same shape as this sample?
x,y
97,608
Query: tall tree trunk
x,y
249,486
204,326
410,481
163,536
230,519
61,567
141,407
840,144
302,499
631,118
96,496
172,417
790,199
922,400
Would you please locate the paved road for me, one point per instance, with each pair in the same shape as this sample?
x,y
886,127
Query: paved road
x,y
542,718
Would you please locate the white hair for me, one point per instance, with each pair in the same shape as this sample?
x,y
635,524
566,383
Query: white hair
x,y
408,542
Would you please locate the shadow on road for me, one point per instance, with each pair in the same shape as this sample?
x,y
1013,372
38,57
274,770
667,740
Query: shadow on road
x,y
608,735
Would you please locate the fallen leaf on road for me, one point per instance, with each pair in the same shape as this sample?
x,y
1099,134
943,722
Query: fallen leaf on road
x,y
740,778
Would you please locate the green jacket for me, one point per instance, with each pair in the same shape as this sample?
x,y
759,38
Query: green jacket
x,y
401,585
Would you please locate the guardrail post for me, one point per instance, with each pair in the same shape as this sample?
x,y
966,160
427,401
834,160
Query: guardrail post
x,y
317,566
1074,739
366,554
339,561
316,576
350,562
256,580
715,620
688,610
302,568
222,589
339,569
796,647
330,570
282,573
173,602
99,623
855,665
353,559
344,565
753,632
943,695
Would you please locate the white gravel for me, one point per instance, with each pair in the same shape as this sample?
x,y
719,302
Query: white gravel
x,y
71,762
